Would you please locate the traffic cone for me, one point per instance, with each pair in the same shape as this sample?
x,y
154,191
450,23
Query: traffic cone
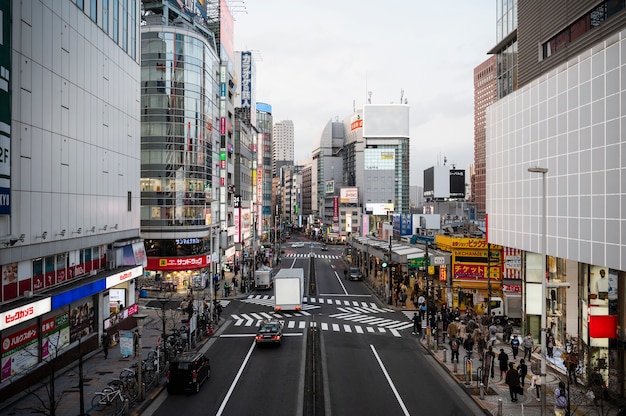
x,y
210,332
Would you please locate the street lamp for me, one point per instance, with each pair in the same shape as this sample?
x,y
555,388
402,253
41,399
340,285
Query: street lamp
x,y
543,171
140,318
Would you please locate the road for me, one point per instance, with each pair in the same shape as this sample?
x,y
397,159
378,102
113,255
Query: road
x,y
345,353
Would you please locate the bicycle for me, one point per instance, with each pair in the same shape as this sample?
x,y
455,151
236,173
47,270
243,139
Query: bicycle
x,y
109,398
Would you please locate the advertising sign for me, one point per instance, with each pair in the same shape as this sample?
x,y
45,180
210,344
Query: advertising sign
x,y
349,195
246,79
5,107
19,351
24,313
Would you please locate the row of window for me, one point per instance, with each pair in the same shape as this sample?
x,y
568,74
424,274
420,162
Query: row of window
x,y
127,16
584,24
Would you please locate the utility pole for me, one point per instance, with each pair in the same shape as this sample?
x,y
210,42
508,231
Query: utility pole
x,y
390,300
489,280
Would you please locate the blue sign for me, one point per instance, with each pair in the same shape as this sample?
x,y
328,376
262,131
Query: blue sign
x,y
5,201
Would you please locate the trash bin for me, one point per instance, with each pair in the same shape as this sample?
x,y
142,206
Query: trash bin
x,y
143,293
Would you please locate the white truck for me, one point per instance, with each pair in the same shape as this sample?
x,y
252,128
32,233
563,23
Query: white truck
x,y
263,278
509,307
289,290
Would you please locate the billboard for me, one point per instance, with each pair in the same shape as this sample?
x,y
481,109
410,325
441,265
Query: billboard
x,y
441,182
457,183
246,79
349,195
378,209
387,120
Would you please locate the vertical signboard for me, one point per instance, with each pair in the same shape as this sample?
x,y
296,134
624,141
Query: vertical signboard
x,y
246,79
5,108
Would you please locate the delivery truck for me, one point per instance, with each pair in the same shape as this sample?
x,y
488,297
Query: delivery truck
x,y
263,278
289,290
507,308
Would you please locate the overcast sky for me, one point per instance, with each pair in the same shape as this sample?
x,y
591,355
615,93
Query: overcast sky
x,y
316,61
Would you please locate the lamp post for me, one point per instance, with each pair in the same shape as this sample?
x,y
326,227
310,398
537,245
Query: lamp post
x,y
140,318
543,171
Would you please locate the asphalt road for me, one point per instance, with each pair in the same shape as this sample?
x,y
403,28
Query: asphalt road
x,y
345,353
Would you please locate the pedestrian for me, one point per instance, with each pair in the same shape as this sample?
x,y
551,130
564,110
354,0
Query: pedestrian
x,y
528,346
522,369
550,346
462,332
535,382
490,360
515,346
453,328
507,332
106,341
136,340
493,330
403,298
560,400
395,297
512,380
417,324
468,346
454,349
503,359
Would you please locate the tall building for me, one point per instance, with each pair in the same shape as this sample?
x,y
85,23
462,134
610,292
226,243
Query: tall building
x,y
264,123
565,117
181,153
282,145
485,94
69,182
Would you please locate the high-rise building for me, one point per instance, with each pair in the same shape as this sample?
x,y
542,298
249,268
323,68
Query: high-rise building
x,y
69,179
180,164
485,94
282,145
264,124
565,117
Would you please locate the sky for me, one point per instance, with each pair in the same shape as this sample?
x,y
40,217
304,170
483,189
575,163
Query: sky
x,y
317,60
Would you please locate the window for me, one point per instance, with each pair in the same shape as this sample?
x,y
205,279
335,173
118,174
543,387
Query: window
x,y
105,16
125,25
93,10
116,20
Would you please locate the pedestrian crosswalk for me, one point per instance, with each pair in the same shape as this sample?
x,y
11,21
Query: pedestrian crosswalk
x,y
267,300
307,255
344,305
251,320
373,321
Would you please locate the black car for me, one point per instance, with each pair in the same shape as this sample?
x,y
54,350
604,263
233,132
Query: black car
x,y
270,332
187,372
355,274
324,247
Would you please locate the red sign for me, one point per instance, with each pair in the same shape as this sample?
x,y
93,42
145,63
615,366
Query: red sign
x,y
470,271
19,338
179,263
603,326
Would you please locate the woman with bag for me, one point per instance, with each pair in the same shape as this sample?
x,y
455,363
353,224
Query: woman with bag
x,y
535,382
560,400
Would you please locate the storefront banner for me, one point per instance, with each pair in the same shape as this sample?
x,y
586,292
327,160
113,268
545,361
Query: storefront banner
x,y
124,276
56,335
115,318
126,343
179,263
19,351
603,326
24,313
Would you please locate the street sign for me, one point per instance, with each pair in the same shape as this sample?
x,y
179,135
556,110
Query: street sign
x,y
439,261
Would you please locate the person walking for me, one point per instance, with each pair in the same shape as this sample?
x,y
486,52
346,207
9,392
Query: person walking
x,y
503,360
522,369
490,360
528,346
535,382
515,346
106,341
493,330
560,400
507,332
454,348
417,324
512,380
550,346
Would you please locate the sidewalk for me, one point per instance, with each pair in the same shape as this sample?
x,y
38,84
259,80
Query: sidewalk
x,y
98,371
495,399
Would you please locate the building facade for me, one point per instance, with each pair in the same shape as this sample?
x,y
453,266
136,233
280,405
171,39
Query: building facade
x,y
565,117
180,145
282,145
485,94
69,219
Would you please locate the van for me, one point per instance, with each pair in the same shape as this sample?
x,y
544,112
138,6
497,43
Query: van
x,y
187,372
